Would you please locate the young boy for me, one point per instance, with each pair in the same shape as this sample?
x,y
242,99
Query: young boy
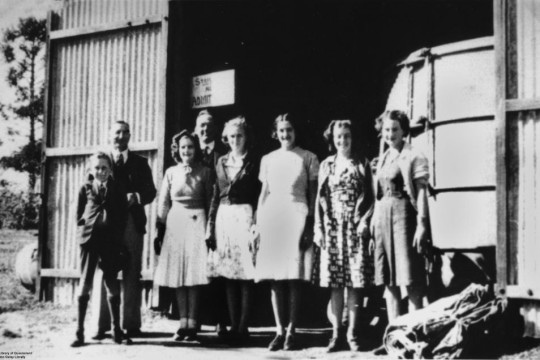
x,y
101,218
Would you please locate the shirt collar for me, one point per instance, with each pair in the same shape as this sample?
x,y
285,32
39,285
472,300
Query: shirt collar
x,y
209,145
117,153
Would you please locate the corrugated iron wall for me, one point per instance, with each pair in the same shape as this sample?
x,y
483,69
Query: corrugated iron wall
x,y
84,13
528,48
517,28
105,64
103,78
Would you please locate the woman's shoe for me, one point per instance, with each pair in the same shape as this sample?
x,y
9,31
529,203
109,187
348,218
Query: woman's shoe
x,y
191,335
355,345
335,344
277,343
290,342
179,335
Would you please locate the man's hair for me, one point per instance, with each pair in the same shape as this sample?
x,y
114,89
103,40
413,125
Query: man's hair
x,y
122,122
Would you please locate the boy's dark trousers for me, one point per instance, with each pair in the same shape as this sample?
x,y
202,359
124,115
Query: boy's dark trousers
x,y
92,253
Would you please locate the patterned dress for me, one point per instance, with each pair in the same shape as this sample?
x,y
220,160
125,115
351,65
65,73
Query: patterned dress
x,y
345,259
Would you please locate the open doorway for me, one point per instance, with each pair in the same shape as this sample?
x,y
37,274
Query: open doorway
x,y
318,59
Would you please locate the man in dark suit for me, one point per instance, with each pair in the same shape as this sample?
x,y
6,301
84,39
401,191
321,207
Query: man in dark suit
x,y
212,149
101,218
134,174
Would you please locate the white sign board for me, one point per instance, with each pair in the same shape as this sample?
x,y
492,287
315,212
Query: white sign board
x,y
214,89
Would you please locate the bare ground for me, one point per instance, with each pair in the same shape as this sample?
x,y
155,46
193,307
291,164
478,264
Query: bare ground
x,y
35,330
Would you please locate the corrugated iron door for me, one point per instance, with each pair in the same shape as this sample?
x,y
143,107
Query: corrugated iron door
x,y
106,61
517,32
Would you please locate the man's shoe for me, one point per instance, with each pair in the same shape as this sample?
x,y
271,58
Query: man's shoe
x,y
133,333
277,343
100,335
120,336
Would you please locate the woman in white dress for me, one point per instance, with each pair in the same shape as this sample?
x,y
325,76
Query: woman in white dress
x,y
285,221
229,230
183,205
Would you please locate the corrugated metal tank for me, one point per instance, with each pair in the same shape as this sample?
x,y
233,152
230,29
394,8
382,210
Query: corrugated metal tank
x,y
449,93
105,63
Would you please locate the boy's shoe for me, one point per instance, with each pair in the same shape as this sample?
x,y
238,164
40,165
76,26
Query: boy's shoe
x,y
79,339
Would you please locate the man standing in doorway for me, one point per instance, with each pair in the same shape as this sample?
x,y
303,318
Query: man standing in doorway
x,y
212,149
205,129
135,175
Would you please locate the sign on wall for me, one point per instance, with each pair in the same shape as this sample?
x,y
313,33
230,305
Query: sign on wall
x,y
214,89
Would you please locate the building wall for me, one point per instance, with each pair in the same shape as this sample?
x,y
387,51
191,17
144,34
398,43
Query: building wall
x,y
105,63
518,27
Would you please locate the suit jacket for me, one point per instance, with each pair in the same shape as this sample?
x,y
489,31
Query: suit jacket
x,y
244,188
136,176
211,159
112,208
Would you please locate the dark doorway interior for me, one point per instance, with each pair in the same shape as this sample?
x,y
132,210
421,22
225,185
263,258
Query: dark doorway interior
x,y
318,59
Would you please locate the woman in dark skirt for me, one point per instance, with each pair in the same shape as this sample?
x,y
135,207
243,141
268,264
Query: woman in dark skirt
x,y
400,218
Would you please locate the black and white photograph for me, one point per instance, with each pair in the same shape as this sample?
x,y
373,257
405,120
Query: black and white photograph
x,y
269,179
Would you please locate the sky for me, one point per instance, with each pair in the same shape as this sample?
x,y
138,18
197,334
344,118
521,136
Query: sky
x,y
10,12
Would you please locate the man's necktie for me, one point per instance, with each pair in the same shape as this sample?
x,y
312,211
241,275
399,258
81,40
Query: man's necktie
x,y
120,160
102,191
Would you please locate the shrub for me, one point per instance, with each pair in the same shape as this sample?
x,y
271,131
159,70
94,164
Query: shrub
x,y
18,210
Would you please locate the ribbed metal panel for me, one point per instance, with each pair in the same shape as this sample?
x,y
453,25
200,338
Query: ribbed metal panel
x,y
528,48
85,13
104,78
528,134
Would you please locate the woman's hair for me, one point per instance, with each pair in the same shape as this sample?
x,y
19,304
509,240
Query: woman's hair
x,y
399,116
241,123
175,145
329,133
100,154
282,118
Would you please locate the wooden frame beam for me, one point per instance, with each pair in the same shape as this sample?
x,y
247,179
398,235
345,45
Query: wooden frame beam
x,y
108,27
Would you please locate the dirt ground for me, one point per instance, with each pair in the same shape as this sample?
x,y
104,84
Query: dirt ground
x,y
34,330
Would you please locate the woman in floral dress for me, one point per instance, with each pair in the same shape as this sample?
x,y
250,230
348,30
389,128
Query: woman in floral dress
x,y
342,214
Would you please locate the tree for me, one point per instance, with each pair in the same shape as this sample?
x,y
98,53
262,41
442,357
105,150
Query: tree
x,y
23,48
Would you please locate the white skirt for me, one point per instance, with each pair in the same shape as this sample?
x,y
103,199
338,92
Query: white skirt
x,y
182,261
281,225
232,258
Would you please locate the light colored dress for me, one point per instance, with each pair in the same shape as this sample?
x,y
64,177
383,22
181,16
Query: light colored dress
x,y
184,197
282,216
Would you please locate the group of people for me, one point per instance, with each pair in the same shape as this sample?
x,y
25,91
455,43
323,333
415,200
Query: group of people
x,y
284,218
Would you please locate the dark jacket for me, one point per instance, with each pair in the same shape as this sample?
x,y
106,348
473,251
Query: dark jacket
x,y
211,159
135,176
112,208
243,189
